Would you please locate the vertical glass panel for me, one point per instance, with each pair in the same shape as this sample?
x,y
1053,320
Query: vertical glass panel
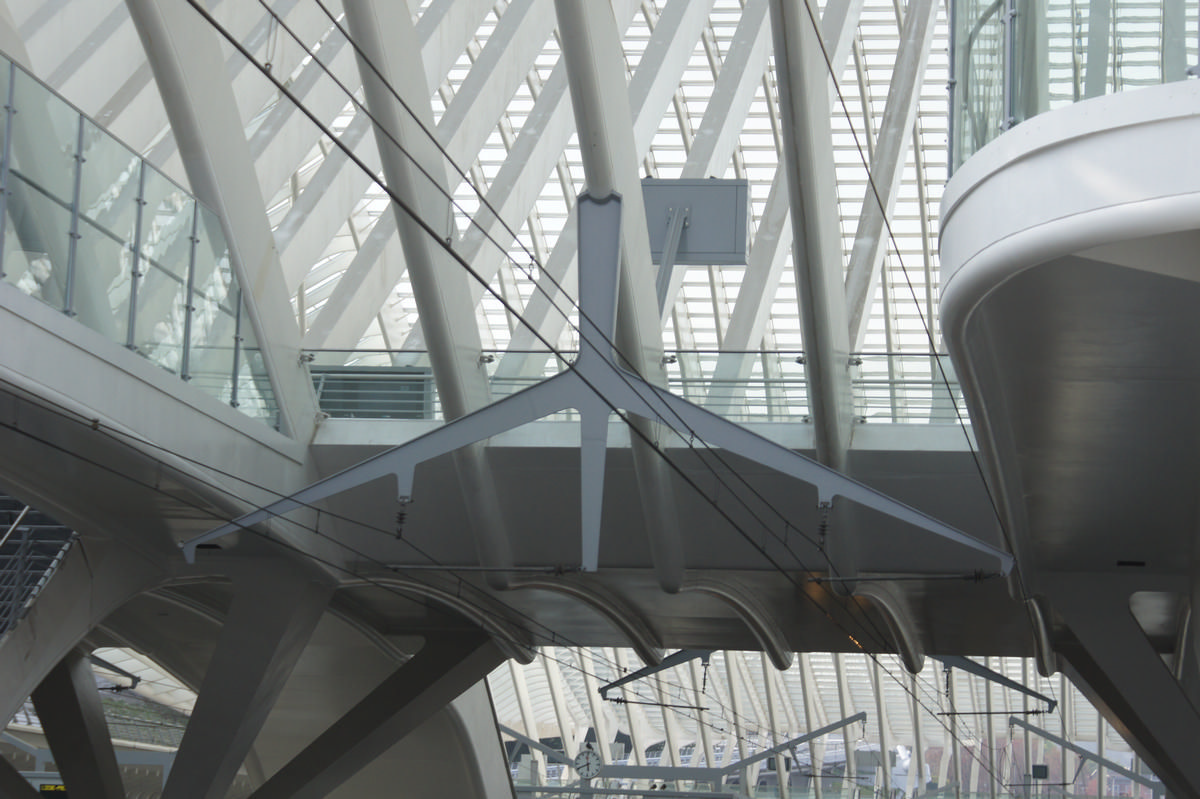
x,y
108,193
255,397
103,269
41,181
979,74
37,230
213,316
162,295
45,134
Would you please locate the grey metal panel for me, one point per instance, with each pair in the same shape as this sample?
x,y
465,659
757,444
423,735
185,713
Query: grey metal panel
x,y
718,217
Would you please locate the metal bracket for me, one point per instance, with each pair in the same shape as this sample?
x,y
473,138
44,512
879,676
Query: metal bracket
x,y
682,656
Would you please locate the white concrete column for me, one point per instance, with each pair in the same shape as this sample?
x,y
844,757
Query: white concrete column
x,y
389,60
274,611
443,669
807,155
68,706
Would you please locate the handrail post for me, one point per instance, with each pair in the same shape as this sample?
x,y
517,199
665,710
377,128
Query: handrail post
x,y
185,363
73,242
9,111
237,348
135,273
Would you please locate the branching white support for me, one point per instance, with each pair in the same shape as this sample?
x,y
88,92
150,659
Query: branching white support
x,y
594,386
389,60
591,47
887,163
187,64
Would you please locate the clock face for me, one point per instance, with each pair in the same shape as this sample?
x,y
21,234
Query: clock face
x,y
587,763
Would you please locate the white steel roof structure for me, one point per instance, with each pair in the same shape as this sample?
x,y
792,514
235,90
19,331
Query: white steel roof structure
x,y
487,65
398,184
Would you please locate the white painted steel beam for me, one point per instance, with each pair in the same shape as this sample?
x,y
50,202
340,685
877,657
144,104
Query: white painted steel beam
x,y
887,163
444,29
808,147
186,59
484,95
604,126
280,142
599,711
360,292
773,237
324,205
513,194
389,58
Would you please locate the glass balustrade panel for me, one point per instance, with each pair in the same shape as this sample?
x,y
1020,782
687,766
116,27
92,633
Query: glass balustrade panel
x,y
255,396
165,251
1058,52
41,182
109,183
214,314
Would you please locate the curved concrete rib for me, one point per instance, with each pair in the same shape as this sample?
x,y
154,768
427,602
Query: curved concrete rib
x,y
755,616
898,618
490,615
621,614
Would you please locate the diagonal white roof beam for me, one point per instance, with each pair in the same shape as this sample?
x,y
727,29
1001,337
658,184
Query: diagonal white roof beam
x,y
887,163
773,237
443,31
278,144
389,61
753,307
278,148
322,207
337,187
186,58
733,93
503,64
653,85
516,188
361,290
808,158
253,28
